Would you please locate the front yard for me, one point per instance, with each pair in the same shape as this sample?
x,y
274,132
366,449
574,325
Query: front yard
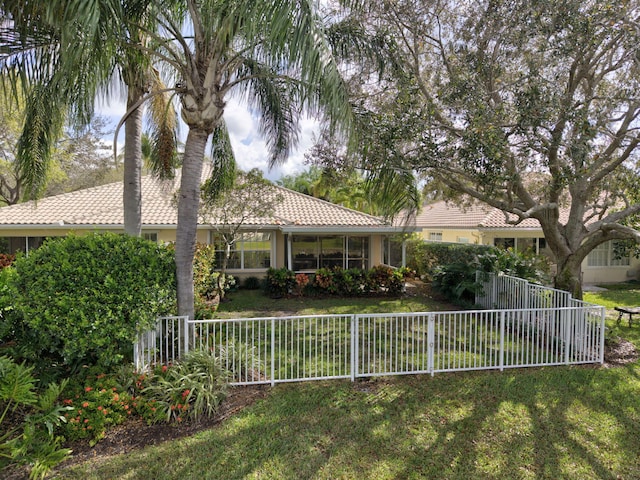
x,y
558,422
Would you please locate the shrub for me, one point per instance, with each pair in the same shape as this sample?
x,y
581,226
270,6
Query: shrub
x,y
424,257
527,265
280,282
192,388
457,281
323,281
382,278
204,262
82,300
251,283
29,439
98,404
348,282
302,280
6,260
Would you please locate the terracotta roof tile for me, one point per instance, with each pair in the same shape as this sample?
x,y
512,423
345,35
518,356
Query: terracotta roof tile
x,y
443,214
102,206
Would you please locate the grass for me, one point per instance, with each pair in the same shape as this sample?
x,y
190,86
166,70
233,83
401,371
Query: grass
x,y
543,423
550,423
623,294
253,303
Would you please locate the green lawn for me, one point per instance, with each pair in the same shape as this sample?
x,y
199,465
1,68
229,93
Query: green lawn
x,y
622,294
253,303
547,423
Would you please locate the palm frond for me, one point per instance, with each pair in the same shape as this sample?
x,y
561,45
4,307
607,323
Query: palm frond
x,y
163,122
224,169
43,124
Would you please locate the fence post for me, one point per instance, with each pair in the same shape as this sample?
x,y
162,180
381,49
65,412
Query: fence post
x,y
502,320
186,334
566,317
602,328
354,346
273,352
431,340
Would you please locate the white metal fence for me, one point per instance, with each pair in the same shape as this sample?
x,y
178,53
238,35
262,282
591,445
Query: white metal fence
x,y
507,292
285,349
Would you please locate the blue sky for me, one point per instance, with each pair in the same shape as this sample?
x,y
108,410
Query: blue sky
x,y
248,145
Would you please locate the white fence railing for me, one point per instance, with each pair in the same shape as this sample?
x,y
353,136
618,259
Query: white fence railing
x,y
507,292
285,349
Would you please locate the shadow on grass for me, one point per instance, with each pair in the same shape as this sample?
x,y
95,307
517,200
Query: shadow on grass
x,y
538,423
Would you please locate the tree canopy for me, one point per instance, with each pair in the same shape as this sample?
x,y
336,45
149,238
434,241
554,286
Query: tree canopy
x,y
530,107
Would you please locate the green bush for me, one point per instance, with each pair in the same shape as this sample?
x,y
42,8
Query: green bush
x,y
424,257
457,281
82,300
190,389
280,282
251,283
29,438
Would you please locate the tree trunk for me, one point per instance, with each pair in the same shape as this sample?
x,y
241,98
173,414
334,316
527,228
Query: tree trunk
x,y
568,276
132,191
188,204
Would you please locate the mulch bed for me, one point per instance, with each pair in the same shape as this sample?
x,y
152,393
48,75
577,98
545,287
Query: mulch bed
x,y
619,352
135,434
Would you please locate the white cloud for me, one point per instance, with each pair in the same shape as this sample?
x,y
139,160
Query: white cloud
x,y
249,147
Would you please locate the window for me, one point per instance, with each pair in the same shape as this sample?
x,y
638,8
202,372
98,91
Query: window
x,y
11,245
392,251
463,239
311,252
605,255
435,236
151,236
504,242
249,251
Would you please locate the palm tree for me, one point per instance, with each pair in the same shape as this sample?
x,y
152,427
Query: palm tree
x,y
70,52
272,52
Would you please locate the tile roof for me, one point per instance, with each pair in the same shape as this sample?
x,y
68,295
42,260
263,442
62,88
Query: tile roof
x,y
102,206
443,214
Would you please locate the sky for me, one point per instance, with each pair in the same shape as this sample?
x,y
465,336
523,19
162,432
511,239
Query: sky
x,y
248,146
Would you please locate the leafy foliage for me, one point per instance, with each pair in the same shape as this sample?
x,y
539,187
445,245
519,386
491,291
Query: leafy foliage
x,y
381,279
424,257
457,281
279,282
82,300
33,442
192,388
251,283
529,107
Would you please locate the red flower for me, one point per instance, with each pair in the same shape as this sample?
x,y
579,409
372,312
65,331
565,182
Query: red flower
x,y
185,393
100,407
67,401
87,389
164,368
85,404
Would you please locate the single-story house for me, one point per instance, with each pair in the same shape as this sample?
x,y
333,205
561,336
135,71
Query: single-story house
x,y
478,223
303,234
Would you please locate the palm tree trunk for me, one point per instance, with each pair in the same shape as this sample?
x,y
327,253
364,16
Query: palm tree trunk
x,y
188,203
132,191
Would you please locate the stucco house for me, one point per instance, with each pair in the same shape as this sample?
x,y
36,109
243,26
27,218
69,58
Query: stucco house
x,y
303,234
443,221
